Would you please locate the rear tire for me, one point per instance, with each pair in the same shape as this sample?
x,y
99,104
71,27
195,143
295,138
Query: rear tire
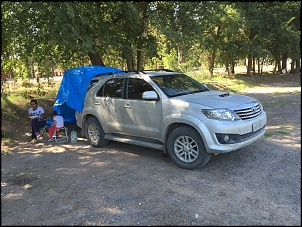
x,y
95,133
186,148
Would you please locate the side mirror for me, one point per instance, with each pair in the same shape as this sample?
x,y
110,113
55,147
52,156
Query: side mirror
x,y
150,95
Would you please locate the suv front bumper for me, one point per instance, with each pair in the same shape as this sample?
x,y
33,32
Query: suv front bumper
x,y
226,136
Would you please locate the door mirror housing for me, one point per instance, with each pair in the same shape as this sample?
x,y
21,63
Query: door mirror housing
x,y
150,95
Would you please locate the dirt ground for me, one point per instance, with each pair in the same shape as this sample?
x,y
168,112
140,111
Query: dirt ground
x,y
64,184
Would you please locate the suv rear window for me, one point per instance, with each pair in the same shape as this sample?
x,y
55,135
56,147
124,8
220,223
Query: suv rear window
x,y
92,83
113,88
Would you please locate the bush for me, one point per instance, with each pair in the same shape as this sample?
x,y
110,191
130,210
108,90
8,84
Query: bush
x,y
30,88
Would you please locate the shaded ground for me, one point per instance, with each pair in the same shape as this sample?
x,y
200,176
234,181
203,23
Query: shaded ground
x,y
120,184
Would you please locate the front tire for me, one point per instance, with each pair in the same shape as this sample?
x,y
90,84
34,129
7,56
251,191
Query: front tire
x,y
186,148
95,133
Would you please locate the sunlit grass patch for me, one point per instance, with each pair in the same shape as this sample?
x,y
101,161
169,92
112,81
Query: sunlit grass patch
x,y
31,88
35,187
5,150
276,131
223,82
13,107
279,103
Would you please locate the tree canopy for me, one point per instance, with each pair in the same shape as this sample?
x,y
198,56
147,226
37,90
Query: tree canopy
x,y
144,35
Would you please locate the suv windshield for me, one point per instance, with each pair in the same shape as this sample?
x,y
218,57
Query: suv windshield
x,y
178,84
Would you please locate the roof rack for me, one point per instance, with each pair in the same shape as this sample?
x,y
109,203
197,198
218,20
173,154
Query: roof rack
x,y
166,70
148,70
133,71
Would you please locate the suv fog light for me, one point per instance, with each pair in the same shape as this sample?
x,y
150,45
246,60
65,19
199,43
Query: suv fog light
x,y
226,138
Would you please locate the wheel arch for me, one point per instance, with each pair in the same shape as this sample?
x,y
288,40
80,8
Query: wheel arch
x,y
85,119
175,125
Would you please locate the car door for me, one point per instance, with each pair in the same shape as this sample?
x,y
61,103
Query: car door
x,y
110,103
142,117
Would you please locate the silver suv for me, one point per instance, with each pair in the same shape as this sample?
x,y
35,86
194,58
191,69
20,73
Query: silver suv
x,y
169,111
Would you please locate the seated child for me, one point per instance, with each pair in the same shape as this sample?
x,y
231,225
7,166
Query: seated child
x,y
58,122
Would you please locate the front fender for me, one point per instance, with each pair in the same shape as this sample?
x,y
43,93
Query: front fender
x,y
178,118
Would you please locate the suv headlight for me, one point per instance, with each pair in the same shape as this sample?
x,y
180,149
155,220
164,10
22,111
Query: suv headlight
x,y
221,114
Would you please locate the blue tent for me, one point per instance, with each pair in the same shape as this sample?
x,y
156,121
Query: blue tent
x,y
73,88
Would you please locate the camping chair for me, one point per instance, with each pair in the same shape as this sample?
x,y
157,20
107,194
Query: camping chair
x,y
56,136
61,139
45,129
68,115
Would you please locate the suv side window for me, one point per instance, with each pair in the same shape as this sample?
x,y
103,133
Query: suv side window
x,y
136,88
92,83
113,88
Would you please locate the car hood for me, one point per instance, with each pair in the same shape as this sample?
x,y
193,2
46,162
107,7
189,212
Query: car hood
x,y
216,99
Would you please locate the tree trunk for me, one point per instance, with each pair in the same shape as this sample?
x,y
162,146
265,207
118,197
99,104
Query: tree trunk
x,y
139,57
52,70
284,61
292,66
258,63
228,68
254,67
32,69
277,65
211,62
249,65
261,70
141,40
233,68
298,66
179,55
96,59
130,63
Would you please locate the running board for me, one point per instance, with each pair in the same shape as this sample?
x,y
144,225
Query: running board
x,y
135,141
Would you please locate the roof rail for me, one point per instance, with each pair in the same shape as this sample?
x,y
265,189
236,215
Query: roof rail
x,y
166,70
133,71
147,70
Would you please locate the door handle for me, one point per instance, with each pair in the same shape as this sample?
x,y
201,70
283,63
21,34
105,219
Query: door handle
x,y
127,106
97,103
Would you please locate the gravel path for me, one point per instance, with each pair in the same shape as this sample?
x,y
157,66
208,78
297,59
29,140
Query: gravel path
x,y
65,184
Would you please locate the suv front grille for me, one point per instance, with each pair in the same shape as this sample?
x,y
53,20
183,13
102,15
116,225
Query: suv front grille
x,y
249,112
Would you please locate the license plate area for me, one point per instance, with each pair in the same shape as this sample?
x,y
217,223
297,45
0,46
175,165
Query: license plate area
x,y
257,125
